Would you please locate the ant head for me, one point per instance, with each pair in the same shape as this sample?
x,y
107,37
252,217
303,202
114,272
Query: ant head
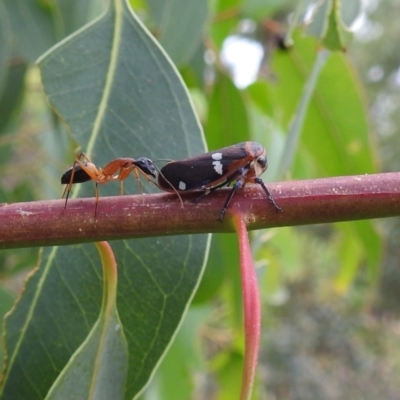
x,y
147,166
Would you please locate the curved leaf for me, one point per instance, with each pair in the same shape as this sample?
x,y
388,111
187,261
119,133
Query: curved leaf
x,y
121,97
51,319
179,22
336,131
10,100
37,25
98,368
328,23
6,302
5,40
227,121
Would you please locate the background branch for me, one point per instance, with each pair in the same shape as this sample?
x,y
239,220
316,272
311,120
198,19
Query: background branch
x,y
46,223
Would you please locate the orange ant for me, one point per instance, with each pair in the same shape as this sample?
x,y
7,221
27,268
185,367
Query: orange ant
x,y
116,170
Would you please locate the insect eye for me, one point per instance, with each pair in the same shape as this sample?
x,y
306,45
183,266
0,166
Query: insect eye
x,y
262,161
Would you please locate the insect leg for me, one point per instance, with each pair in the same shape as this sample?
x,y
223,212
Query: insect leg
x,y
137,177
97,198
68,188
227,182
210,190
270,198
237,185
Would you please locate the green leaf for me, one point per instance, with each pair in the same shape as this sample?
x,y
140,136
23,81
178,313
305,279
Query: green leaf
x,y
5,53
213,275
261,9
76,380
281,250
180,26
120,96
319,21
228,243
32,27
337,35
220,29
259,92
372,242
350,11
226,18
11,96
230,376
183,360
71,15
6,302
224,5
98,368
357,236
38,25
336,128
194,73
350,254
327,23
57,309
227,121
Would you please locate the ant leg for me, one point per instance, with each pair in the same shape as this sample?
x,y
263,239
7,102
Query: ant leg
x,y
137,177
97,198
68,188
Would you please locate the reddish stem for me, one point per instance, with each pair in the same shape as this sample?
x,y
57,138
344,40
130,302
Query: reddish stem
x,y
251,308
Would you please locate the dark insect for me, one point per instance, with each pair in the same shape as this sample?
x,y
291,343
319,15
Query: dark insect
x,y
117,170
241,163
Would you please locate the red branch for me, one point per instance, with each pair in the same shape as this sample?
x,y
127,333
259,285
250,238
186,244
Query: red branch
x,y
46,223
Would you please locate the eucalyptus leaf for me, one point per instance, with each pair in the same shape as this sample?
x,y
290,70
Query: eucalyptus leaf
x,y
337,34
350,11
319,21
98,368
179,23
336,129
6,302
11,98
227,121
5,40
121,97
70,15
327,23
32,27
38,25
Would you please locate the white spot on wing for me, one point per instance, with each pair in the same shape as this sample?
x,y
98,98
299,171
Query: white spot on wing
x,y
218,167
182,185
216,156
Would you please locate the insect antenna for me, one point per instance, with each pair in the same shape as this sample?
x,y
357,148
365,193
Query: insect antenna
x,y
169,183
